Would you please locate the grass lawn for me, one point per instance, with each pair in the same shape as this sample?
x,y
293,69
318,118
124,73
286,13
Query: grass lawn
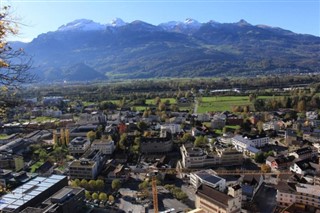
x,y
35,166
43,119
222,103
3,136
87,103
140,108
225,103
232,127
163,100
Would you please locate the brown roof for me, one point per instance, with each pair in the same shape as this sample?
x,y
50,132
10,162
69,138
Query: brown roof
x,y
286,187
212,195
252,178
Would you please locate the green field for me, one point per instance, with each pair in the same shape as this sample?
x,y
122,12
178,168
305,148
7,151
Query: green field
x,y
3,136
222,103
163,100
225,103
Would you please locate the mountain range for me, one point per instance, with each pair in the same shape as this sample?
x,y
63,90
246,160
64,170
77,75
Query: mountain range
x,y
84,50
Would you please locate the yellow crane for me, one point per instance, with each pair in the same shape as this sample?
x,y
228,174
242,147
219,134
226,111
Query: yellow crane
x,y
155,194
218,172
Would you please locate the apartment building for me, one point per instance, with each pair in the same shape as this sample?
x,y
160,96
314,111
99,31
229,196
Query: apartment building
x,y
79,145
306,194
208,178
211,200
88,166
195,157
105,146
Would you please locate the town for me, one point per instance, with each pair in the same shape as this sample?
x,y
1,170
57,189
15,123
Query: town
x,y
225,150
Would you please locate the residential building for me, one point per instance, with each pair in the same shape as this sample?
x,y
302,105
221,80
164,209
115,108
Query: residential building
x,y
308,152
304,167
312,136
112,172
88,166
299,193
9,161
81,131
250,185
171,128
32,193
79,145
280,162
208,178
83,169
52,113
249,145
271,125
256,141
150,145
52,100
211,200
218,121
230,156
92,118
195,157
203,117
234,120
290,137
105,146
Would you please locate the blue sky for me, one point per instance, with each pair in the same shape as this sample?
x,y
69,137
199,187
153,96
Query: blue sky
x,y
40,16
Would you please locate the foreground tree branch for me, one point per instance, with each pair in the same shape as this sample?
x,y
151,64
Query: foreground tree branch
x,y
14,64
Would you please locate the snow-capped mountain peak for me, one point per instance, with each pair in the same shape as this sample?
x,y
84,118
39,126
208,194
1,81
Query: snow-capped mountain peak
x,y
192,22
188,24
117,22
82,24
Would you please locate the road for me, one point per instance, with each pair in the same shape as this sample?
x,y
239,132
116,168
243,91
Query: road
x,y
196,104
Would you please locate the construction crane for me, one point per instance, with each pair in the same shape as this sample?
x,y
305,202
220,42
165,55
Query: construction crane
x,y
218,172
155,194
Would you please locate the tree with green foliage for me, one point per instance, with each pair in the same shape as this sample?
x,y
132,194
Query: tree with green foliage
x,y
103,196
259,157
111,199
186,138
100,184
95,196
143,185
116,184
142,126
181,195
200,141
91,135
84,183
122,141
92,185
59,153
77,182
87,195
43,155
